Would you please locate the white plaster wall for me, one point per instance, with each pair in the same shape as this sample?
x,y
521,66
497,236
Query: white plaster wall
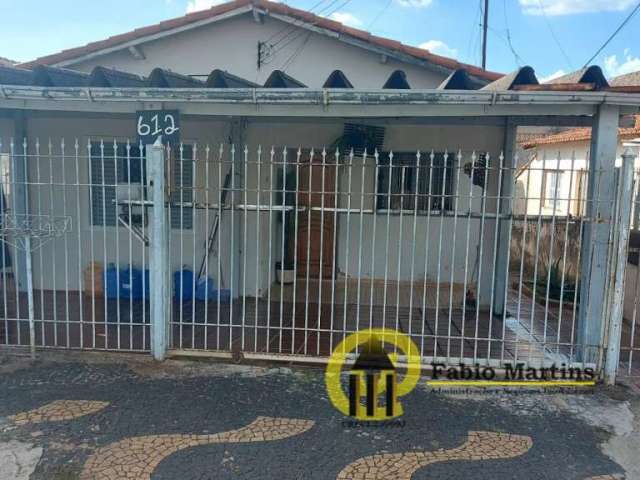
x,y
232,45
571,156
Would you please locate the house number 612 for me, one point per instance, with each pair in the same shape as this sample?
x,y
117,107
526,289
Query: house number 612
x,y
166,127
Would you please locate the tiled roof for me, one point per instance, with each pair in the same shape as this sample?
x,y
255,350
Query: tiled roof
x,y
579,135
269,7
629,79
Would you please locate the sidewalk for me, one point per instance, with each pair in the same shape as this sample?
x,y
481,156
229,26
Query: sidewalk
x,y
111,417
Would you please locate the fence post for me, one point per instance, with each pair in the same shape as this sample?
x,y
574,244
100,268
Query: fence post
x,y
625,194
158,261
594,255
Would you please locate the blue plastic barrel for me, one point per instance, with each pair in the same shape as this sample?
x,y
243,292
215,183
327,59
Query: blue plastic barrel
x,y
183,284
147,295
131,283
205,288
111,286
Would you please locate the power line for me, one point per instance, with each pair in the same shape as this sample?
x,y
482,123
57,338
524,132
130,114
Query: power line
x,y
273,52
553,35
380,13
624,22
291,26
516,57
294,26
473,38
296,53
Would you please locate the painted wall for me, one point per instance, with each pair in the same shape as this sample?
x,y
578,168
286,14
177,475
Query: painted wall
x,y
232,45
570,157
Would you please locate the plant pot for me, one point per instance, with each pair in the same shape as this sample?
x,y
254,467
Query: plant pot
x,y
285,275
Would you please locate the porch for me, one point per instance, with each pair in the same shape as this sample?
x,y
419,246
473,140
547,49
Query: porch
x,y
302,327
412,234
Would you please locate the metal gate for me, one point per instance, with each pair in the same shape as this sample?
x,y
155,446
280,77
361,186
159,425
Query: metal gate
x,y
285,251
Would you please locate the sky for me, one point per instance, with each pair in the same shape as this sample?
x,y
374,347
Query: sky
x,y
553,36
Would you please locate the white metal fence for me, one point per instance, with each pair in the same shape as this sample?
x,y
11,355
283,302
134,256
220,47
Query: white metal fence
x,y
630,338
279,251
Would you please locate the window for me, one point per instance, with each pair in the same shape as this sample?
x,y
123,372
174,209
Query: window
x,y
181,196
553,188
403,184
109,167
130,170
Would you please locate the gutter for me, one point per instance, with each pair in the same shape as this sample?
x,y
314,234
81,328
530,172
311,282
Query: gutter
x,y
306,96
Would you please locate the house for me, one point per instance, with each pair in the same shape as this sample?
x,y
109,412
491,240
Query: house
x,y
326,179
555,169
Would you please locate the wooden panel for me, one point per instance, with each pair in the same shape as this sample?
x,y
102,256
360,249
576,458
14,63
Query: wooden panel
x,y
316,189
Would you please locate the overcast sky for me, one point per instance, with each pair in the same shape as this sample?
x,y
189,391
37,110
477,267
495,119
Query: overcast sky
x,y
553,36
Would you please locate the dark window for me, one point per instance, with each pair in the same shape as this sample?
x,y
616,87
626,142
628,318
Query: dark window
x,y
111,165
183,166
405,183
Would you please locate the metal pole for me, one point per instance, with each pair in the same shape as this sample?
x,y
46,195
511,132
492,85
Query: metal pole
x,y
485,25
29,268
594,253
158,261
623,221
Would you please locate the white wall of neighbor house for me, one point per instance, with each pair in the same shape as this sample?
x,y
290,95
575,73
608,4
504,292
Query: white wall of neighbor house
x,y
232,45
534,189
59,264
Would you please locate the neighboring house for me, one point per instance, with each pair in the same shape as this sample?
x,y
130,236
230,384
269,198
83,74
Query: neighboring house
x,y
551,173
5,62
552,178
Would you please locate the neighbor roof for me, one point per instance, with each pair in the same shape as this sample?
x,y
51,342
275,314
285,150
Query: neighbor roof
x,y
579,135
263,6
7,62
627,80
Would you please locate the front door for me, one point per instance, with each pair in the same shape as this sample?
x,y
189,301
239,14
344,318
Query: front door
x,y
315,248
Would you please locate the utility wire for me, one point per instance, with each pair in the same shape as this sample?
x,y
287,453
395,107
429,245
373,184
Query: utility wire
x,y
475,34
380,13
516,57
271,54
553,35
624,22
296,53
294,27
294,24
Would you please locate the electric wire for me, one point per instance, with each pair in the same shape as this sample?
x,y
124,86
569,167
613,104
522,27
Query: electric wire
x,y
604,45
553,35
268,58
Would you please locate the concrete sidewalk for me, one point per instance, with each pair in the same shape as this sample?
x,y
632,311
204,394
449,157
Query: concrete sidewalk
x,y
111,417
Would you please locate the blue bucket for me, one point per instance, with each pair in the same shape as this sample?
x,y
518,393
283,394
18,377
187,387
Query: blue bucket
x,y
183,285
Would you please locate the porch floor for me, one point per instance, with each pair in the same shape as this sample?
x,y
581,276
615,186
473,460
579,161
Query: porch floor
x,y
72,320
